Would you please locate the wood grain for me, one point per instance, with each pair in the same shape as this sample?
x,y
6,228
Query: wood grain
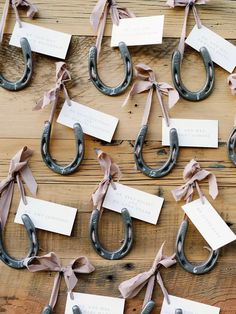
x,y
24,292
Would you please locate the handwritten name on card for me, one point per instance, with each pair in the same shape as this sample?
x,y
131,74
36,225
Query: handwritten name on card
x,y
141,205
192,132
93,122
209,223
187,306
42,40
47,215
94,304
221,51
138,31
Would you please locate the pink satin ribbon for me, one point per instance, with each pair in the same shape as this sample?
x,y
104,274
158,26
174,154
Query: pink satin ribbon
x,y
232,83
131,287
50,262
32,10
192,175
187,4
147,82
18,169
99,16
51,96
109,169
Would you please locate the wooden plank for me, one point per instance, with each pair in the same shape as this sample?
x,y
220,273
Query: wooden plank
x,y
74,18
19,105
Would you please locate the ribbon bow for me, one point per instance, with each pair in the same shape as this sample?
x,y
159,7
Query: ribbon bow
x,y
99,16
131,287
232,83
109,169
50,262
51,96
18,169
192,175
32,10
147,82
187,4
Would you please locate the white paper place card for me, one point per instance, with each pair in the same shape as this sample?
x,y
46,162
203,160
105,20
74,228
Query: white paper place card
x,y
222,51
187,306
42,40
47,215
94,304
93,122
192,132
141,205
209,223
138,31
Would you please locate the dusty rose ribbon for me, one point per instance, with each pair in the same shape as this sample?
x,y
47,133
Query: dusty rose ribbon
x,y
109,169
187,4
131,287
192,175
147,82
232,83
51,96
32,10
50,262
99,16
18,169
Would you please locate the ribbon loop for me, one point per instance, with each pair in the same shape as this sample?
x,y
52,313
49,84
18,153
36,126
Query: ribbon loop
x,y
232,83
188,4
131,287
192,175
18,169
147,82
99,16
31,11
109,169
50,262
51,96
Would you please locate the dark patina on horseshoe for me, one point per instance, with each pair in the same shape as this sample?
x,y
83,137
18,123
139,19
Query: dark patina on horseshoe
x,y
206,90
231,146
94,76
150,306
128,240
50,162
168,165
28,71
196,269
48,310
12,262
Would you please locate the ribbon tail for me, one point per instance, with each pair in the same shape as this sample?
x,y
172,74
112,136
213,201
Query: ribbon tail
x,y
55,290
29,179
149,290
163,289
4,18
5,203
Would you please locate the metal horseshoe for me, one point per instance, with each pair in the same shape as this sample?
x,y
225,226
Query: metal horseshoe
x,y
168,165
196,269
48,310
94,76
12,262
150,306
127,243
28,71
231,146
206,90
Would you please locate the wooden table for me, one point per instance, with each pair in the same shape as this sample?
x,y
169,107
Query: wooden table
x,y
24,292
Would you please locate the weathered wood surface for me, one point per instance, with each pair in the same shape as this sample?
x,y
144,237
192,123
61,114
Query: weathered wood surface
x,y
23,292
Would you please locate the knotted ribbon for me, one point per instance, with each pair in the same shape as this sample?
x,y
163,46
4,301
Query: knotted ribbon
x,y
50,262
192,175
109,169
32,10
19,169
131,287
147,82
51,96
187,4
99,16
232,83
